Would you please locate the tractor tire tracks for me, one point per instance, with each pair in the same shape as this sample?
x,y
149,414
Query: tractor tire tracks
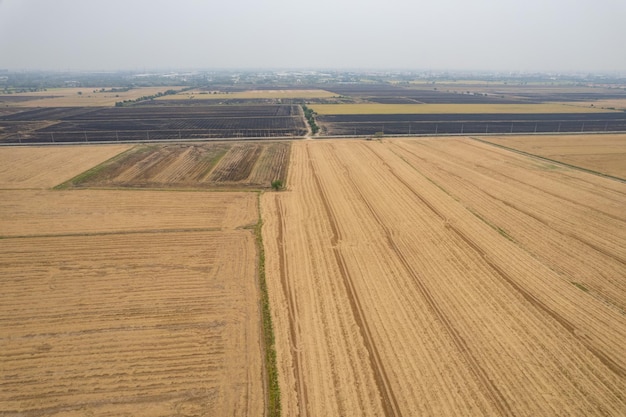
x,y
389,401
528,296
301,389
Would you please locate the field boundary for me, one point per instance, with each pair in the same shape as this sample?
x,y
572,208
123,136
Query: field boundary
x,y
273,405
543,158
117,232
92,171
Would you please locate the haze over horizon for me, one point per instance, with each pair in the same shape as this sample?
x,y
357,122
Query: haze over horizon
x,y
483,35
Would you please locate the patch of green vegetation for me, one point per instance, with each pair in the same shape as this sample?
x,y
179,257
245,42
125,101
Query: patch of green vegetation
x,y
277,185
549,167
580,286
273,403
309,114
497,228
149,98
213,158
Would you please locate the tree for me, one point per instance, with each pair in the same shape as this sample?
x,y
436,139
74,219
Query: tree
x,y
277,185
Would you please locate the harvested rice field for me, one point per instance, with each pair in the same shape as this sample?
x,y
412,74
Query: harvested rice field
x,y
207,165
445,277
600,153
433,276
47,166
126,303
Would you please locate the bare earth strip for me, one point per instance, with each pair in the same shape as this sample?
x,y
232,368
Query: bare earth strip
x,y
400,288
47,166
601,153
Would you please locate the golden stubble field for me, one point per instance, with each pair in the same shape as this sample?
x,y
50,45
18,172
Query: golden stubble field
x,y
604,153
446,277
47,166
434,276
126,302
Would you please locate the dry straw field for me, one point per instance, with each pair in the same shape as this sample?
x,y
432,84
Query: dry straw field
x,y
600,153
122,302
45,167
434,276
446,277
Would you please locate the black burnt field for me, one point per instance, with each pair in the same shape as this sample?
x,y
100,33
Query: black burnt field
x,y
139,123
388,94
384,93
437,124
257,118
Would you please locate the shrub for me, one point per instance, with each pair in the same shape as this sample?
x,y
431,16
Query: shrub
x,y
277,185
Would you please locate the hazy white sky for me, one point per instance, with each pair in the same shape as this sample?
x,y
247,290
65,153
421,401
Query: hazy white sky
x,y
511,35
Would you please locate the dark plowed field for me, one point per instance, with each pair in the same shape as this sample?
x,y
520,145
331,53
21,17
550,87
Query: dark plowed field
x,y
461,94
154,123
387,94
427,124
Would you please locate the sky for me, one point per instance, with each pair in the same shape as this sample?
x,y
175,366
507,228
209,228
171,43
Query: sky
x,y
436,35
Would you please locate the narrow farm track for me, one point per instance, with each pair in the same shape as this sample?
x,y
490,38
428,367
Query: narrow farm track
x,y
405,280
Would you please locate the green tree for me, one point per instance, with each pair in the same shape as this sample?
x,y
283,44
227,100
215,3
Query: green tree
x,y
277,185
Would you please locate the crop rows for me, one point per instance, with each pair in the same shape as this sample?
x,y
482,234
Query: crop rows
x,y
158,123
407,124
458,93
272,164
192,166
119,303
412,278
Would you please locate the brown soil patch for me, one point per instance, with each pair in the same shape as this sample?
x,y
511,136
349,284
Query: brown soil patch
x,y
443,277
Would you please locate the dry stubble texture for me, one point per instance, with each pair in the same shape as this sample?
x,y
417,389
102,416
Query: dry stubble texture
x,y
47,166
121,303
601,153
412,278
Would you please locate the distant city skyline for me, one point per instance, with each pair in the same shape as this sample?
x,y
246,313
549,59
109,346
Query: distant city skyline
x,y
454,35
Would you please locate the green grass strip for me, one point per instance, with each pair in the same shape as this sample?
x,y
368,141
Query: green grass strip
x,y
580,286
